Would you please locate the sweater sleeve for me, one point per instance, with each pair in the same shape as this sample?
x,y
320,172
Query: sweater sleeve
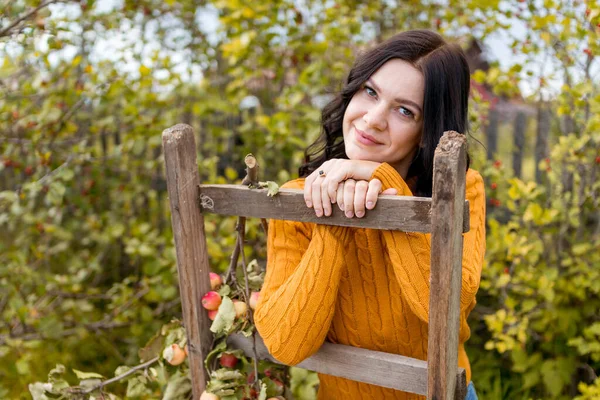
x,y
296,304
412,268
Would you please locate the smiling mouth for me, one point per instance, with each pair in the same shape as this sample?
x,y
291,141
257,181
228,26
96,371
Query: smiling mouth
x,y
365,139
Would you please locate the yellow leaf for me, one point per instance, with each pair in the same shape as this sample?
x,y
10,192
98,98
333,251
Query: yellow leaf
x,y
248,13
144,71
533,212
503,280
545,37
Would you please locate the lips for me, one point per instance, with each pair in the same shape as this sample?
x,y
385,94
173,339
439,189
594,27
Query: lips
x,y
364,138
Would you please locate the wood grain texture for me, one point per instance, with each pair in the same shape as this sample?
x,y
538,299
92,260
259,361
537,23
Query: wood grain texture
x,y
410,214
383,369
190,244
449,176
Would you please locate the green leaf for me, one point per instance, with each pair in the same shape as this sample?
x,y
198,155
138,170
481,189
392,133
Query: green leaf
x,y
86,375
38,390
226,374
219,348
178,387
56,371
224,290
225,317
263,392
56,192
136,387
272,188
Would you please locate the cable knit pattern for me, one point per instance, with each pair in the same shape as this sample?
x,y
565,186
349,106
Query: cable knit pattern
x,y
360,287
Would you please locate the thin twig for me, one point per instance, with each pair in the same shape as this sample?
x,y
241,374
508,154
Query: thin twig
x,y
6,31
87,296
56,170
265,226
122,376
241,233
94,326
230,278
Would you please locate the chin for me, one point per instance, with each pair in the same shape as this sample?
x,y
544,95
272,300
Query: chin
x,y
361,156
356,153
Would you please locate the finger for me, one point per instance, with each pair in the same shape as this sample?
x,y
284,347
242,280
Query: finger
x,y
349,186
325,199
308,182
372,193
340,196
390,191
332,187
360,193
335,176
316,197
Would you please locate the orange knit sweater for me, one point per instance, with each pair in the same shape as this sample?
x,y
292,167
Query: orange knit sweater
x,y
360,287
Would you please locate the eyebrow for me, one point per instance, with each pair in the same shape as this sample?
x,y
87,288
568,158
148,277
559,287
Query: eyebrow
x,y
397,99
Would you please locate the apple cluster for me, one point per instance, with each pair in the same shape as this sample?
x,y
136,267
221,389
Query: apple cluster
x,y
212,300
228,360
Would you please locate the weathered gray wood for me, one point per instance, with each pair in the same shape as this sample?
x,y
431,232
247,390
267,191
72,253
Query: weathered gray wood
x,y
461,384
541,139
410,214
520,126
491,133
382,369
446,265
190,244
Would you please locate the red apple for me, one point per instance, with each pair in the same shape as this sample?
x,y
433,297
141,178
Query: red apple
x,y
240,308
174,354
215,281
211,300
212,314
209,396
228,360
254,300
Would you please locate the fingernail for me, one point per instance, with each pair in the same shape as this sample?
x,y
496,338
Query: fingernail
x,y
319,213
349,214
308,204
360,214
369,204
327,213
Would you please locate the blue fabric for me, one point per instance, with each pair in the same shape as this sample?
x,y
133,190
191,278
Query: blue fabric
x,y
471,394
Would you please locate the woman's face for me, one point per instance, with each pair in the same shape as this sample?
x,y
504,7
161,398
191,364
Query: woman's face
x,y
384,119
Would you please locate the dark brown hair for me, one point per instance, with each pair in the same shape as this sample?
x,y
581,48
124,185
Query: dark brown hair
x,y
445,101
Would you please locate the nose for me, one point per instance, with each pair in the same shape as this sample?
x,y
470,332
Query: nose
x,y
375,117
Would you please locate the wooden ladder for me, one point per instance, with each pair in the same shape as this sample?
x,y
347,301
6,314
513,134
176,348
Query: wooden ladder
x,y
445,216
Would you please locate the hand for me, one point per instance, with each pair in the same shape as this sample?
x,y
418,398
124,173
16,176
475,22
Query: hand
x,y
321,191
354,196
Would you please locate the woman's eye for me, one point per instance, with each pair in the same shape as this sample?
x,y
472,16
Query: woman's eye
x,y
370,91
405,111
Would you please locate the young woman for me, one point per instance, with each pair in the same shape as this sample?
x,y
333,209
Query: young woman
x,y
362,287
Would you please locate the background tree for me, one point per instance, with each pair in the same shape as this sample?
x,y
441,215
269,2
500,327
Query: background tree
x,y
87,87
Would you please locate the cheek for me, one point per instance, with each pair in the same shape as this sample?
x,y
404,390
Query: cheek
x,y
407,136
352,112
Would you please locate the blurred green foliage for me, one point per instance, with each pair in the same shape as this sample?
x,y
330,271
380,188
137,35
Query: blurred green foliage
x,y
88,266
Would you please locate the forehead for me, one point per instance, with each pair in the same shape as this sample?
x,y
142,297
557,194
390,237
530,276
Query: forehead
x,y
400,79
